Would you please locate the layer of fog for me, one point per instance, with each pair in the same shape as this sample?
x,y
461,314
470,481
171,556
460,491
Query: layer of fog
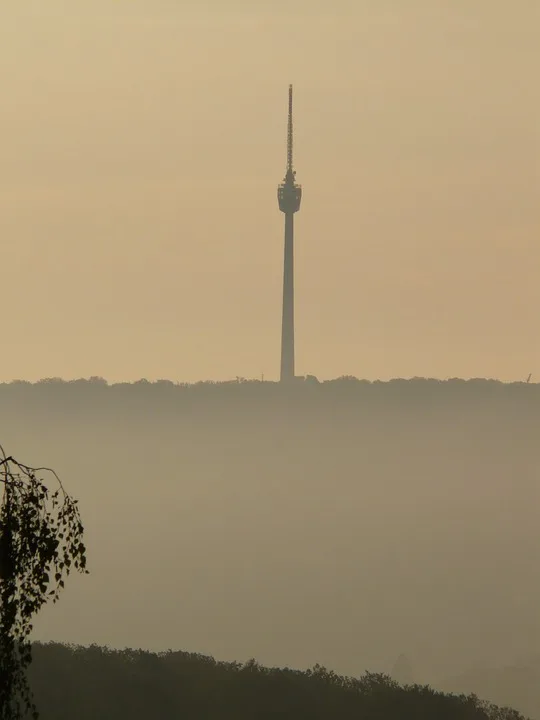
x,y
299,532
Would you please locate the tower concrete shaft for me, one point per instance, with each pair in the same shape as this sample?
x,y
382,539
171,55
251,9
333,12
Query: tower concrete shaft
x,y
289,198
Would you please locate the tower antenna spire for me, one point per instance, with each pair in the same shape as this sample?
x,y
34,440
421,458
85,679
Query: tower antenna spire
x,y
290,134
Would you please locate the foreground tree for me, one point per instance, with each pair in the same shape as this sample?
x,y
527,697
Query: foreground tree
x,y
41,541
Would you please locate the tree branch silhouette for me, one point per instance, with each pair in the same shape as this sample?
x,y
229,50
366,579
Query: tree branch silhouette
x,y
41,542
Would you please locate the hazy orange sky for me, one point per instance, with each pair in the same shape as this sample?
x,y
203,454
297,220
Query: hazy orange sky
x,y
142,142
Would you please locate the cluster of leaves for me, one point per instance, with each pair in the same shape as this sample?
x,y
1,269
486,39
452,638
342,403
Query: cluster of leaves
x,y
41,541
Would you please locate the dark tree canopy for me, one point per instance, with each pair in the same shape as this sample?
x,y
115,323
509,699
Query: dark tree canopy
x,y
137,685
41,541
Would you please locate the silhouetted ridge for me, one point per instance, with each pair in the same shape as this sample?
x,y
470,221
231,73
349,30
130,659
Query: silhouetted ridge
x,y
88,683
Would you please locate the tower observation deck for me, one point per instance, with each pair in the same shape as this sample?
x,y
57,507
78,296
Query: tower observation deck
x,y
289,196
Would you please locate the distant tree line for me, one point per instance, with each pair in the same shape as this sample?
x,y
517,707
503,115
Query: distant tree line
x,y
351,386
87,683
53,397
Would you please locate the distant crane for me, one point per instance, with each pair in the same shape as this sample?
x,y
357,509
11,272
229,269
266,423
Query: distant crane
x,y
289,197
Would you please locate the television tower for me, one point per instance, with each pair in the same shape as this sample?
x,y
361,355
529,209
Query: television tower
x,y
289,197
